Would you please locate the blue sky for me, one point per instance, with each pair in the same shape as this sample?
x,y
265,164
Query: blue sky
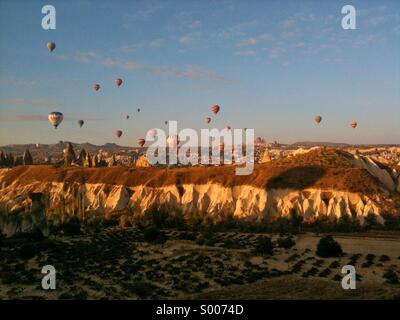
x,y
270,65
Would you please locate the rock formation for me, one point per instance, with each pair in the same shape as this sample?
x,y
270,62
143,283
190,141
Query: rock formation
x,y
266,157
69,155
87,163
142,162
27,158
112,162
80,160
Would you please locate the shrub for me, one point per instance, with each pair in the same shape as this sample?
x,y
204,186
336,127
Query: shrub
x,y
72,226
154,235
143,289
391,222
328,247
347,224
2,237
27,251
264,246
286,242
370,221
391,277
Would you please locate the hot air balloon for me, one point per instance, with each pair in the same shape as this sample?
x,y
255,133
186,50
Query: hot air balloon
x,y
118,82
127,116
138,110
318,119
141,142
118,133
228,128
81,122
208,120
55,118
353,124
51,46
96,87
215,108
166,122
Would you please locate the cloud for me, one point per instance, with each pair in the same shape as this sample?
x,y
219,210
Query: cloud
x,y
276,53
187,71
22,117
387,18
245,53
186,39
21,102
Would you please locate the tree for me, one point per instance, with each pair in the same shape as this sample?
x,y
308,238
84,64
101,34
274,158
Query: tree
x,y
264,246
328,247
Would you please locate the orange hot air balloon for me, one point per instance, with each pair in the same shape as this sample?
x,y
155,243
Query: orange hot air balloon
x,y
118,82
215,108
118,133
51,46
353,124
141,142
318,119
96,87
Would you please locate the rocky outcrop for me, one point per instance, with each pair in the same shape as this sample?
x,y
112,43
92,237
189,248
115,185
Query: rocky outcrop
x,y
69,155
142,162
27,158
381,174
244,201
266,157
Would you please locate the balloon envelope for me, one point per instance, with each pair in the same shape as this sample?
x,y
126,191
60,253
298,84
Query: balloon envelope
x,y
354,124
81,122
96,87
208,120
141,142
51,46
215,108
55,118
118,82
118,133
318,119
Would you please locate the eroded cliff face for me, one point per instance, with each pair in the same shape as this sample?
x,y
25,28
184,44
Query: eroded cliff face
x,y
244,201
360,188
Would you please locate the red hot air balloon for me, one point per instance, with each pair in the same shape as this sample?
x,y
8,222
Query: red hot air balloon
x,y
118,133
96,87
141,142
318,119
118,82
354,124
215,108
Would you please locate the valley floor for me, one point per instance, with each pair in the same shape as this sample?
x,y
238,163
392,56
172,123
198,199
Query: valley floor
x,y
120,264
